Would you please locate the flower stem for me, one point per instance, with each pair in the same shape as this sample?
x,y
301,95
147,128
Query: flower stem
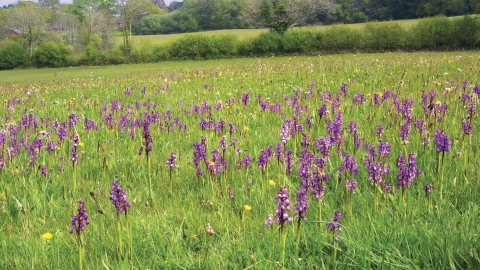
x,y
298,235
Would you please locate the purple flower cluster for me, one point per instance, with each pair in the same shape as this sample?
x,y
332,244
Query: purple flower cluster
x,y
442,141
408,170
264,157
288,129
334,225
467,128
283,201
148,141
171,160
323,111
405,131
80,220
349,164
119,198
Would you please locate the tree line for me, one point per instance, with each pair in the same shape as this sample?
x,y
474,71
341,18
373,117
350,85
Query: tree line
x,y
84,30
438,33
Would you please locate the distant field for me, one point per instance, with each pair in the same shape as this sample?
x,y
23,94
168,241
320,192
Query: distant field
x,y
240,33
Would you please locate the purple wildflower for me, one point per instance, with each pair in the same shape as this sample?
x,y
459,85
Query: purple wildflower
x,y
43,169
148,141
467,128
334,225
380,131
442,141
323,111
351,185
283,201
119,198
171,160
269,220
289,162
408,171
79,221
405,131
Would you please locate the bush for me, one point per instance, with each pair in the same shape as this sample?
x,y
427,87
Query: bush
x,y
466,32
52,55
12,55
339,38
161,53
142,52
223,46
301,41
201,47
431,34
381,36
267,44
92,56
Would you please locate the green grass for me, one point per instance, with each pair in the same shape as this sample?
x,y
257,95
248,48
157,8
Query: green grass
x,y
167,222
241,33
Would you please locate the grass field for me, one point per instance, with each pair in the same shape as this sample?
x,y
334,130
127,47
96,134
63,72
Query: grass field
x,y
240,33
377,152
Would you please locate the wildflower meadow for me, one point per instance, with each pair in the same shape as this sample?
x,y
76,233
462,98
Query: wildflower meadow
x,y
321,162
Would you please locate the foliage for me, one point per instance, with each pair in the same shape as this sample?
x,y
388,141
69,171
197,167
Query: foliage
x,y
201,47
432,33
383,36
340,38
192,221
52,55
12,55
150,25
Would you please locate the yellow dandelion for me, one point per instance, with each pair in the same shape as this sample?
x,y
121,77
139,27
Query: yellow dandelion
x,y
248,207
47,236
81,144
271,182
246,128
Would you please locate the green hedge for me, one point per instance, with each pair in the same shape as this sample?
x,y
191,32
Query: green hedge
x,y
436,33
13,55
52,55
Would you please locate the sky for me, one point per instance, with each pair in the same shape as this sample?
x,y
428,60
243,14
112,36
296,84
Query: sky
x,y
7,2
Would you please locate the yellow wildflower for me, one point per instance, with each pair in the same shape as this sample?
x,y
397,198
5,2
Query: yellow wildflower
x,y
271,182
47,236
246,128
248,207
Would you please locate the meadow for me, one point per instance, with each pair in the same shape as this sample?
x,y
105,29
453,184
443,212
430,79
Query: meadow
x,y
244,33
328,162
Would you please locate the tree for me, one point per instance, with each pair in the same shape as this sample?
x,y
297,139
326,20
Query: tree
x,y
280,15
48,2
31,20
131,11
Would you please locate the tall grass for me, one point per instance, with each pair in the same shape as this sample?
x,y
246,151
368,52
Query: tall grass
x,y
193,222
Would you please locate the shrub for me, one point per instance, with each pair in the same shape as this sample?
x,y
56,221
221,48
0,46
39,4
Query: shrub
x,y
301,41
223,46
201,47
381,36
431,33
92,55
142,52
161,53
267,44
466,32
194,47
341,38
52,55
12,55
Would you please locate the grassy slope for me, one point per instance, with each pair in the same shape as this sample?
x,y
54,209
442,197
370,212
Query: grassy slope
x,y
240,33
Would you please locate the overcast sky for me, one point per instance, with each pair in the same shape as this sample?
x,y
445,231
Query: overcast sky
x,y
6,2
